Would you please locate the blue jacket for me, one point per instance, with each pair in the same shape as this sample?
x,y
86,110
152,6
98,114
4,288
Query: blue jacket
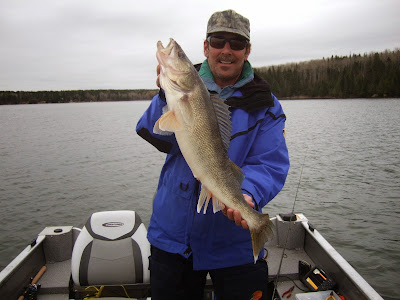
x,y
257,146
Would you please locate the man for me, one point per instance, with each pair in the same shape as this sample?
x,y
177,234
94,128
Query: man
x,y
186,246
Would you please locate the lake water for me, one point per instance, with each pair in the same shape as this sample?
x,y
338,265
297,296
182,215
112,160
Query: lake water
x,y
61,162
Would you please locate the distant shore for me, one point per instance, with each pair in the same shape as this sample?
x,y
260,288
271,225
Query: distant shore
x,y
373,75
21,97
43,97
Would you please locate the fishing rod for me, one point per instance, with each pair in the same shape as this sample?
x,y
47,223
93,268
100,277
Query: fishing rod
x,y
288,231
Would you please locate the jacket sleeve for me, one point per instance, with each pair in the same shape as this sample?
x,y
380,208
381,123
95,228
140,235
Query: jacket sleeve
x,y
144,128
267,163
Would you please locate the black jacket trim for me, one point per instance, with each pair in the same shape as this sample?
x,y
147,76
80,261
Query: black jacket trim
x,y
252,197
276,117
159,144
255,125
246,131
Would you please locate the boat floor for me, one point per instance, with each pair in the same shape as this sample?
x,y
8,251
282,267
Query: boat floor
x,y
289,269
55,281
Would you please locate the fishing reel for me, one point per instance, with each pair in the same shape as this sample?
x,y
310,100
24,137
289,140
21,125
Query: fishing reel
x,y
31,291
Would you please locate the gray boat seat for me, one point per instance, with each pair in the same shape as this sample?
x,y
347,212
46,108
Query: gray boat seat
x,y
112,249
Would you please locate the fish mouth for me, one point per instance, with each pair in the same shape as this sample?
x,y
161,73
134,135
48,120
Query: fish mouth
x,y
167,55
163,53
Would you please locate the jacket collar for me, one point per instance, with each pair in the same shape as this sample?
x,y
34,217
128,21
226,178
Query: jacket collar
x,y
254,92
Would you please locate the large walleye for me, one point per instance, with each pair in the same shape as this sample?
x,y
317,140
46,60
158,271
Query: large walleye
x,y
202,129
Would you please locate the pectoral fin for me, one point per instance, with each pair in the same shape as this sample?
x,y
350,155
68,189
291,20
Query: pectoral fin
x,y
166,124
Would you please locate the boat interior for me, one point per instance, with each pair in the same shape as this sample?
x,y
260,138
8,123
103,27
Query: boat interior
x,y
108,259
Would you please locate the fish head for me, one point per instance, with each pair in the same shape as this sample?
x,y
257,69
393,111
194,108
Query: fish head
x,y
176,70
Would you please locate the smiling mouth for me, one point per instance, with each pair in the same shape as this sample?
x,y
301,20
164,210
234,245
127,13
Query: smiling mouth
x,y
225,62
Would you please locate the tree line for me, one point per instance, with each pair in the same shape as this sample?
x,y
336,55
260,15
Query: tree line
x,y
355,76
20,97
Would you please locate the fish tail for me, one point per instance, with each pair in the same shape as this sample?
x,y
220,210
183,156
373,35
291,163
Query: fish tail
x,y
261,233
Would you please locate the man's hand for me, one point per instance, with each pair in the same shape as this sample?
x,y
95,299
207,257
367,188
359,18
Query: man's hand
x,y
234,215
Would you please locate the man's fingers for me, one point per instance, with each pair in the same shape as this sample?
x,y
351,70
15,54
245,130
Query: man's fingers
x,y
249,200
244,224
237,217
229,214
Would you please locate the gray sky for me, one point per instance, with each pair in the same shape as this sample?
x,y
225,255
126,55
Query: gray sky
x,y
111,44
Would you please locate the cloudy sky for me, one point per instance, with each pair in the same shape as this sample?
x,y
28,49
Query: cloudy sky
x,y
111,44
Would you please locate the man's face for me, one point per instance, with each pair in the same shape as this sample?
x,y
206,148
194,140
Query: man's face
x,y
226,64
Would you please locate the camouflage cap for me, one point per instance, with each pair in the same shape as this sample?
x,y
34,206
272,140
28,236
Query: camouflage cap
x,y
229,21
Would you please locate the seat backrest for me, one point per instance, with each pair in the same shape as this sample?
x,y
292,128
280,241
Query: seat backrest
x,y
112,249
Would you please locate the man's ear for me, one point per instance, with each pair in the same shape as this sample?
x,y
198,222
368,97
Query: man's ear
x,y
247,53
206,49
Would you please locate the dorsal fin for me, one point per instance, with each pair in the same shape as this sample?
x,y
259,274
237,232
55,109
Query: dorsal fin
x,y
223,116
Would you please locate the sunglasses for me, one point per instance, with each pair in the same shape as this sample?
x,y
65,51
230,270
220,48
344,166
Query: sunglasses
x,y
219,43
